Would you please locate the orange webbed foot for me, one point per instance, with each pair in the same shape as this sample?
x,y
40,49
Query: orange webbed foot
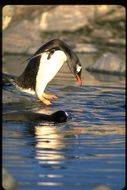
x,y
45,101
49,96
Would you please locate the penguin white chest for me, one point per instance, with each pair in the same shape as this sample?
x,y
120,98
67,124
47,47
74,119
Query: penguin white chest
x,y
48,68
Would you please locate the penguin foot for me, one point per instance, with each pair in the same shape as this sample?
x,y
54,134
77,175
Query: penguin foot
x,y
49,96
45,101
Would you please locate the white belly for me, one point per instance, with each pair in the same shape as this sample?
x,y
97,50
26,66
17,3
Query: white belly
x,y
48,68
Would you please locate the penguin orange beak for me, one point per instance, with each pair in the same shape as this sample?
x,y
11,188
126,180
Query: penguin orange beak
x,y
78,78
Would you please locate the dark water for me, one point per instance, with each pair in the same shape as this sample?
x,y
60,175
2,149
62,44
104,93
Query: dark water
x,y
85,153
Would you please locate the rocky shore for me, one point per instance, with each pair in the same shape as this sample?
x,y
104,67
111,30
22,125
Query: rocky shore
x,y
86,28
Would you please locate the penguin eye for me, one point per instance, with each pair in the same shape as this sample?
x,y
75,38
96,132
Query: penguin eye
x,y
78,68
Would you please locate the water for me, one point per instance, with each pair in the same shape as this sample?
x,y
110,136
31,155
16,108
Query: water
x,y
85,153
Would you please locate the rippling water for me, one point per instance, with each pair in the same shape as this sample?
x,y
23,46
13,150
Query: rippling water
x,y
85,153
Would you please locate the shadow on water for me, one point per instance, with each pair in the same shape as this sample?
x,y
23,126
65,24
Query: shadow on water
x,y
87,152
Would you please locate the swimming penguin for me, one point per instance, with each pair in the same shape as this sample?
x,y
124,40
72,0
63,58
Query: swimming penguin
x,y
56,117
44,65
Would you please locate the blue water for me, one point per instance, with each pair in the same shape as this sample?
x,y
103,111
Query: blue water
x,y
86,152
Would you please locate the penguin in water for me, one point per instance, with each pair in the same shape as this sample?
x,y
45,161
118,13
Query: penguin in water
x,y
24,116
44,65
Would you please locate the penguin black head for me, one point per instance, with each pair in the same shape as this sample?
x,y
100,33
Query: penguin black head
x,y
76,69
59,117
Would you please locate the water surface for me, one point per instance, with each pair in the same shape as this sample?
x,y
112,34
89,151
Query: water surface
x,y
86,152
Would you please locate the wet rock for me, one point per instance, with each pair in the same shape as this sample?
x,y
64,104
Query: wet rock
x,y
8,181
102,187
103,77
9,97
108,63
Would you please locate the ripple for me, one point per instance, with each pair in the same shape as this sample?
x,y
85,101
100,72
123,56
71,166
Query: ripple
x,y
86,151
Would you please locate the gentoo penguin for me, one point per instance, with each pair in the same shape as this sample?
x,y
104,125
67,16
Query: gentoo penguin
x,y
44,65
56,117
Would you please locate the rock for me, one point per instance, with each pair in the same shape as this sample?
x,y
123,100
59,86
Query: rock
x,y
109,13
23,34
102,33
108,63
104,10
85,48
103,77
102,187
29,12
66,18
8,181
17,39
30,26
7,13
109,25
117,41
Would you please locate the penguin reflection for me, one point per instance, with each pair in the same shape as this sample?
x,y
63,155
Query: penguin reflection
x,y
48,142
51,141
45,129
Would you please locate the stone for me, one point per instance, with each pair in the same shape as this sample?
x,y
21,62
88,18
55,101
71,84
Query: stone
x,y
8,181
66,18
22,36
85,48
108,63
7,15
18,40
103,33
28,27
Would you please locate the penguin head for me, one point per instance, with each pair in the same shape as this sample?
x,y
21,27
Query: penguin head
x,y
59,116
77,70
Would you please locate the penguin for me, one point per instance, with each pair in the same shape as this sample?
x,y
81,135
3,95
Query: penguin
x,y
56,117
42,67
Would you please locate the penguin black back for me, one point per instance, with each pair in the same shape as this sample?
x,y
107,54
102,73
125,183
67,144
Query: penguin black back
x,y
58,44
28,78
28,116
